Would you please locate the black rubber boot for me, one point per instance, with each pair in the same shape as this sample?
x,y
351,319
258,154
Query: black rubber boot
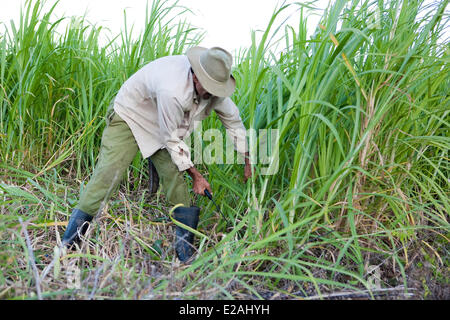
x,y
185,239
78,222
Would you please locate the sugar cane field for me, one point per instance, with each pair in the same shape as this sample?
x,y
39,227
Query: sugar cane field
x,y
357,201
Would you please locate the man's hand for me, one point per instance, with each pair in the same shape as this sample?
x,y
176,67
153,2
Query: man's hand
x,y
247,168
200,183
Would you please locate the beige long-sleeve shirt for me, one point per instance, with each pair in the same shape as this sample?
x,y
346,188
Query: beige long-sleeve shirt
x,y
161,107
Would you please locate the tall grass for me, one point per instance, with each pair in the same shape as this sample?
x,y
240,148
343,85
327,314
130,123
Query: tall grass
x,y
55,83
362,110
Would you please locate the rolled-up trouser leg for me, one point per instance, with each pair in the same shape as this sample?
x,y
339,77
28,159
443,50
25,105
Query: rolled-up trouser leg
x,y
117,151
174,185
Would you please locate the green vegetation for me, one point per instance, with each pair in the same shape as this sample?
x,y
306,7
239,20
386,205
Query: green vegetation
x,y
362,187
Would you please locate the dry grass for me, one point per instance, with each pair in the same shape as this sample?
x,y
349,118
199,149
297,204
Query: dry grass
x,y
126,255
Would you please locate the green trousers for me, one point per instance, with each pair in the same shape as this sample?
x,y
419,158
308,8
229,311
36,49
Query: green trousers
x,y
117,151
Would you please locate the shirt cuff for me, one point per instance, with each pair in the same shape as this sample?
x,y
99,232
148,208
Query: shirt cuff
x,y
183,166
180,159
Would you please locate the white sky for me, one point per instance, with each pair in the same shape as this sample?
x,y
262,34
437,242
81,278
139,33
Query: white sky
x,y
227,22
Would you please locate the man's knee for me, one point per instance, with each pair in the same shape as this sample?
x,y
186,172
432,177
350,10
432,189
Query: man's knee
x,y
172,180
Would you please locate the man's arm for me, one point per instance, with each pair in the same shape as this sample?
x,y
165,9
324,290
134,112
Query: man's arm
x,y
170,116
228,114
247,168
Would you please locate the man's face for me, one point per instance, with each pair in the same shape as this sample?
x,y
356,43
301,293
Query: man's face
x,y
200,90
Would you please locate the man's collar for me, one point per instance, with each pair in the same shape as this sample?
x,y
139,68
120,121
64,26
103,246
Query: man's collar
x,y
196,97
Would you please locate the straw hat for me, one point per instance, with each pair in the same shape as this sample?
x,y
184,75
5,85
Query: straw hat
x,y
213,69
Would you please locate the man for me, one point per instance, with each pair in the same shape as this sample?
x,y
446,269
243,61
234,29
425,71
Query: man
x,y
154,110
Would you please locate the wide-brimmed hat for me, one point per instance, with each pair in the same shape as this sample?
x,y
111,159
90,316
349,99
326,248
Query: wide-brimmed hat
x,y
213,69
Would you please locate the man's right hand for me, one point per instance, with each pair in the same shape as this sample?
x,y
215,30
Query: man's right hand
x,y
200,185
199,182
